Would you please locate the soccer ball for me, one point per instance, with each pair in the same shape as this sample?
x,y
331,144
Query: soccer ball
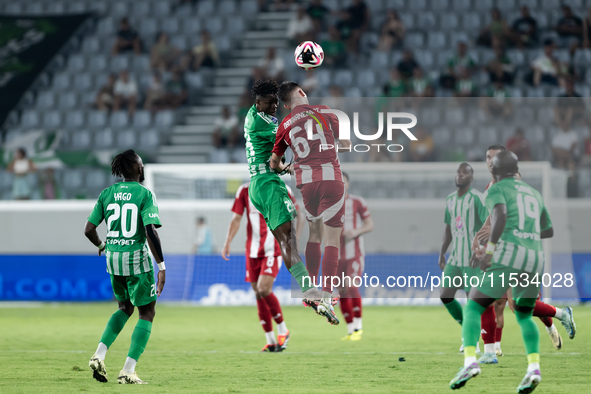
x,y
309,55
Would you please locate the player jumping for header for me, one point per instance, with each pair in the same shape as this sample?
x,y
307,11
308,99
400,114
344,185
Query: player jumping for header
x,y
131,213
318,176
493,317
519,221
263,261
268,192
465,213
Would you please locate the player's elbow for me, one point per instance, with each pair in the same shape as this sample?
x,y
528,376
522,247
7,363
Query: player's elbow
x,y
547,233
89,228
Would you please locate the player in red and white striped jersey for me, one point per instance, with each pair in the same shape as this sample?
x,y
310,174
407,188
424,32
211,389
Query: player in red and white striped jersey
x,y
263,260
310,134
358,221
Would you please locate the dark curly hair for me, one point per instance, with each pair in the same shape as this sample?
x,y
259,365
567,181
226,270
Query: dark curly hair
x,y
265,87
285,91
123,164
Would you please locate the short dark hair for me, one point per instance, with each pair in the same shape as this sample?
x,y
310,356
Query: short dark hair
x,y
265,87
345,175
497,147
468,164
123,164
201,219
285,90
23,151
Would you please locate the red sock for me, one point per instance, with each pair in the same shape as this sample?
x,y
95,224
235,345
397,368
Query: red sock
x,y
274,308
330,266
547,321
313,256
265,315
357,308
542,309
489,325
498,334
347,309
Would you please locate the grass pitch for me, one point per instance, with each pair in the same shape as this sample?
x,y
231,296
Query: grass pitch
x,y
216,350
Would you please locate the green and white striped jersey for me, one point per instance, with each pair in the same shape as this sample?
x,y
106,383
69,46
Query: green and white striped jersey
x,y
127,208
520,245
465,215
260,130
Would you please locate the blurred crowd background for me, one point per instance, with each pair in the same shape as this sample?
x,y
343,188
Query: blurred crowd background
x,y
172,80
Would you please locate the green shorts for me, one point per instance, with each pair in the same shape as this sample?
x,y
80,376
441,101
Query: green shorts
x,y
139,289
453,271
268,194
499,278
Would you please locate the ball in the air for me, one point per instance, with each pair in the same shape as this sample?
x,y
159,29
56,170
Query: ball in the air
x,y
309,55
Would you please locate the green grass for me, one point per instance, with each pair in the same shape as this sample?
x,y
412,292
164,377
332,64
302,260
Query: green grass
x,y
216,350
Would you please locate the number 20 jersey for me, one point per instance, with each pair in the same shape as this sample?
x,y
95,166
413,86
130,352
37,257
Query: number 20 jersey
x,y
127,207
316,158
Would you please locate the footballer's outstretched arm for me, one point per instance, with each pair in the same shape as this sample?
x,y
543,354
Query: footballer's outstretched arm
x,y
156,248
447,238
548,233
276,164
498,221
232,230
92,235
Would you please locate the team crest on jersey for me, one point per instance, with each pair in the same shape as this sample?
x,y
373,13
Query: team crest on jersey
x,y
274,119
459,223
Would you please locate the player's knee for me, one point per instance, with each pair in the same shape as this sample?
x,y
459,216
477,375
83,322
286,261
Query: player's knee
x,y
263,290
127,309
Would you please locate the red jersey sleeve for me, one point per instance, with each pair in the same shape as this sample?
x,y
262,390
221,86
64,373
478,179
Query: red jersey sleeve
x,y
280,141
333,121
361,208
241,200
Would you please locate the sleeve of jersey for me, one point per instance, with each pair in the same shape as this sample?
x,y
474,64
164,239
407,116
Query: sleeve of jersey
x,y
280,144
334,125
495,196
545,221
239,203
266,126
362,208
149,212
482,210
447,217
97,214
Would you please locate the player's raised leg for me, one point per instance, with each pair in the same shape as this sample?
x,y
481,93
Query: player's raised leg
x,y
112,330
565,315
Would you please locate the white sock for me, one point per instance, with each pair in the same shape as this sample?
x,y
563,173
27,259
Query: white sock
x,y
478,347
558,314
327,297
101,351
533,366
270,338
350,328
489,348
469,360
281,328
357,323
497,345
551,329
129,366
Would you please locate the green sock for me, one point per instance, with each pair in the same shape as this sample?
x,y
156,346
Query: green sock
x,y
301,275
114,327
529,332
471,323
455,310
139,339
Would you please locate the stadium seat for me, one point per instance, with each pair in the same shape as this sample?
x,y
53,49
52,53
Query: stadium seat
x,y
76,7
140,64
436,40
164,119
170,25
408,19
82,81
68,100
417,5
120,9
97,119
365,78
353,92
414,40
379,60
34,8
430,116
582,57
471,21
74,119
461,5
506,5
235,26
449,22
74,180
194,80
162,8
375,6
180,42
30,118
104,139
91,45
76,63
119,62
483,5
148,27
106,27
55,8
96,178
439,5
536,135
205,7
396,4
52,119
464,136
140,9
425,58
223,43
343,78
324,76
81,139
97,63
215,25
488,136
46,100
226,7
126,140
142,119
454,117
550,5
248,7
61,81
443,57
427,21
192,27
119,119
